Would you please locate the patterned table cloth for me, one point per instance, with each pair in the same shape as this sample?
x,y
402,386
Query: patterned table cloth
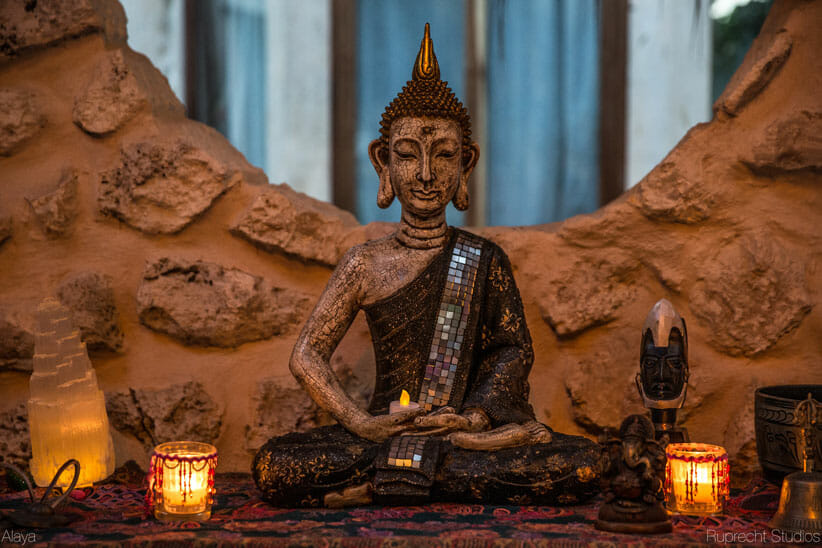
x,y
114,514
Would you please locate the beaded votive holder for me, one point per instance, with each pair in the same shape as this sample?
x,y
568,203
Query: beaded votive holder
x,y
697,479
181,480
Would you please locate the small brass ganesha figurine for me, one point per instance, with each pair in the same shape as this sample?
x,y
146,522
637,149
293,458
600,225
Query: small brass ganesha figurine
x,y
448,327
633,467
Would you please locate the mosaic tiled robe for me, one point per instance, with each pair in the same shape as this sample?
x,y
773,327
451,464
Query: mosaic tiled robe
x,y
456,335
483,346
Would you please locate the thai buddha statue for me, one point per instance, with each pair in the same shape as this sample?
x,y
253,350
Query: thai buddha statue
x,y
448,327
662,380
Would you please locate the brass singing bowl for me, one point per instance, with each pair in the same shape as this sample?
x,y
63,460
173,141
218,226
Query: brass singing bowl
x,y
778,438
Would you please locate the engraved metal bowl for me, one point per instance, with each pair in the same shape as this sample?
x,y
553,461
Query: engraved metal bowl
x,y
778,439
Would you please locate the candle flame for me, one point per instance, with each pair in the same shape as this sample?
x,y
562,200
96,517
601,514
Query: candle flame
x,y
405,398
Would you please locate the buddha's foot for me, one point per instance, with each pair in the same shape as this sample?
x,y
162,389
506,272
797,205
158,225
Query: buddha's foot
x,y
359,495
509,435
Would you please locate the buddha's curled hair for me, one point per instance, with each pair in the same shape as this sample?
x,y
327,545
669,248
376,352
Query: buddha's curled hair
x,y
426,95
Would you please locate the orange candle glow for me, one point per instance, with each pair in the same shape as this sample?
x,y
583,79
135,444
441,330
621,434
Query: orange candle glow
x,y
697,478
181,480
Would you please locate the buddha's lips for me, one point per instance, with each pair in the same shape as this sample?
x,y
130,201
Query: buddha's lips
x,y
423,195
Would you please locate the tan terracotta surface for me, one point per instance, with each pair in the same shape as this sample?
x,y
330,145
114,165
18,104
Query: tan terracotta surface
x,y
727,227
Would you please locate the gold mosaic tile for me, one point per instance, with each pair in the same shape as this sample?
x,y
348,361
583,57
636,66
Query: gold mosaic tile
x,y
406,452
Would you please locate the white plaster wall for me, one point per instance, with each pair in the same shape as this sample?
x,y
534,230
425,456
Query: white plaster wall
x,y
669,78
156,28
298,74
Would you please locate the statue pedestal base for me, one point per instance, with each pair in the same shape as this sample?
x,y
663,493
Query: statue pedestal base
x,y
633,518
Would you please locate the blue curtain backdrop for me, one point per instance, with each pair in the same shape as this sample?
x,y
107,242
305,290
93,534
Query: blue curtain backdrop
x,y
230,83
542,91
389,34
543,96
245,43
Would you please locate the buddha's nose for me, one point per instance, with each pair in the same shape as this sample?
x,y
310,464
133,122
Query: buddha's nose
x,y
425,175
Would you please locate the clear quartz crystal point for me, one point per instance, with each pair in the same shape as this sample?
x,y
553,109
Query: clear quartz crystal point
x,y
67,409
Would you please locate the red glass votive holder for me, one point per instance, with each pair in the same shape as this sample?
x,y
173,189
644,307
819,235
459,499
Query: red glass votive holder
x,y
181,480
697,479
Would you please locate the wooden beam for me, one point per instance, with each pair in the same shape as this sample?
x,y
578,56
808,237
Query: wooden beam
x,y
344,104
191,45
613,64
475,101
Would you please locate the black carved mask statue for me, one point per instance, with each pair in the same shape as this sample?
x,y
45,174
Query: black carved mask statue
x,y
663,376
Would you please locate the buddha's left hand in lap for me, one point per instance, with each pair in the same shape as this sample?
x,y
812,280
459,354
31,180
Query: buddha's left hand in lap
x,y
508,435
446,420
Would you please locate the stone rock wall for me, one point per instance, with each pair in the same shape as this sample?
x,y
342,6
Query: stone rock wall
x,y
90,299
192,275
57,210
15,442
16,344
290,222
207,304
159,415
20,118
111,98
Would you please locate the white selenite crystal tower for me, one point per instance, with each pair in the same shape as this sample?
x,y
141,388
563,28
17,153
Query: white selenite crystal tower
x,y
67,410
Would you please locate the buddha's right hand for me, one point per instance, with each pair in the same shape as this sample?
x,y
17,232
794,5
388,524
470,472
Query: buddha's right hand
x,y
381,427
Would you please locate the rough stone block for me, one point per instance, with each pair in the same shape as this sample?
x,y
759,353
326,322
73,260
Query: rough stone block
x,y
602,390
207,304
281,407
587,292
110,98
788,145
15,443
21,118
56,211
16,344
89,296
161,188
669,194
31,24
158,415
286,221
751,293
745,85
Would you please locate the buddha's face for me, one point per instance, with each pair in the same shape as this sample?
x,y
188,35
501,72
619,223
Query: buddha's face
x,y
424,165
663,369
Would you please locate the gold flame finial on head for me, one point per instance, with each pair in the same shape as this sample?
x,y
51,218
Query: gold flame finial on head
x,y
426,66
426,95
405,398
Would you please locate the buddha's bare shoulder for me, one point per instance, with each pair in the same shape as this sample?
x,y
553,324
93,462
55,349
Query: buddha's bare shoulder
x,y
365,257
379,268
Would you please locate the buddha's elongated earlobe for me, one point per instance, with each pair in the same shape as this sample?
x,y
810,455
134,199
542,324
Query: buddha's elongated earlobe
x,y
470,156
461,199
385,195
378,153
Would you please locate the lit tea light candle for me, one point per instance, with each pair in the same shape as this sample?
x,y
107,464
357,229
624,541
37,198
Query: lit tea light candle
x,y
697,479
181,480
403,404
